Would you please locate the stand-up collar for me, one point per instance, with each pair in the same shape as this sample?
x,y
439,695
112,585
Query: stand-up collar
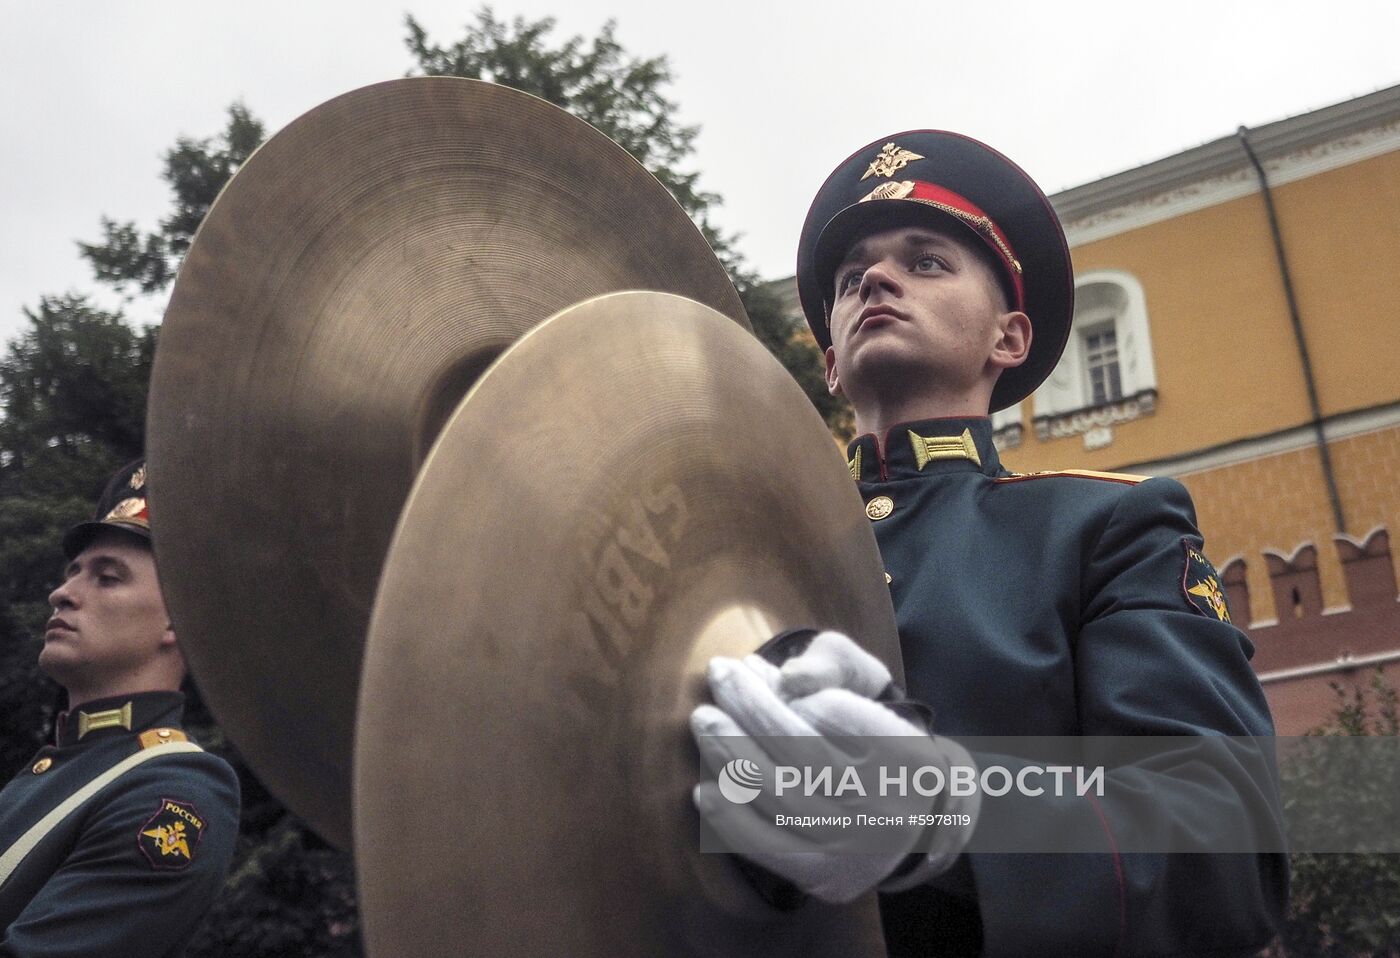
x,y
927,447
118,715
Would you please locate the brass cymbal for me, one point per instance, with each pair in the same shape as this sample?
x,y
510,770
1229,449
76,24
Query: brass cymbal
x,y
353,279
634,487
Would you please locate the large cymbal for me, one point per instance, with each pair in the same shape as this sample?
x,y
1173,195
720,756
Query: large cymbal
x,y
634,487
346,288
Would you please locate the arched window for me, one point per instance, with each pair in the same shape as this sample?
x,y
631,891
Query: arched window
x,y
1106,375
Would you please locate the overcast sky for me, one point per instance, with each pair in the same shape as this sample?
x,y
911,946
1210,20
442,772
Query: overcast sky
x,y
95,92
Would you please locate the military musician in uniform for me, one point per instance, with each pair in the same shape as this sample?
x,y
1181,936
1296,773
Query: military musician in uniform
x,y
116,837
936,276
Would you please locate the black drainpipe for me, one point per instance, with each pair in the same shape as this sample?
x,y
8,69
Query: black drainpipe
x,y
1327,473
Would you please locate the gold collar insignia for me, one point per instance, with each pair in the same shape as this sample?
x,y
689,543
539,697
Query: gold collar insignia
x,y
929,448
854,464
109,718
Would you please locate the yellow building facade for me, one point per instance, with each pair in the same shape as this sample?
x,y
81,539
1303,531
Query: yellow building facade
x,y
1196,278
1231,417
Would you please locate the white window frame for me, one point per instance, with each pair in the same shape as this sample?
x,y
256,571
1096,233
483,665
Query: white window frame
x,y
1108,327
1101,296
1010,416
1006,427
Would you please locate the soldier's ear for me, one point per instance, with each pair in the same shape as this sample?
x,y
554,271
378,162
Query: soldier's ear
x,y
1013,343
833,379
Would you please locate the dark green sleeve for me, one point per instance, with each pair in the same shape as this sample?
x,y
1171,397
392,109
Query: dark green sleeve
x,y
1149,662
116,895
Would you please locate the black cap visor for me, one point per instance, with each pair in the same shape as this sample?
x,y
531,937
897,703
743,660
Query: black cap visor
x,y
78,538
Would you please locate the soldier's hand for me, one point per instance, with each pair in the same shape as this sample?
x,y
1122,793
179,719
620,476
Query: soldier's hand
x,y
819,707
828,660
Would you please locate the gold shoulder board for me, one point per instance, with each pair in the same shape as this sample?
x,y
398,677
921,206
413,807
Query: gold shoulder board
x,y
162,736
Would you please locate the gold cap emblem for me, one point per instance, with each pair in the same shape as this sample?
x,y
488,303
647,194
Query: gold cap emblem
x,y
126,509
890,160
893,190
138,478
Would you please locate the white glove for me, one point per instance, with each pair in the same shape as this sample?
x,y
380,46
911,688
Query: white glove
x,y
831,661
827,690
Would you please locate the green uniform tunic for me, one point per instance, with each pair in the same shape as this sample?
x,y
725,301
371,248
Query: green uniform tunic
x,y
1062,605
131,871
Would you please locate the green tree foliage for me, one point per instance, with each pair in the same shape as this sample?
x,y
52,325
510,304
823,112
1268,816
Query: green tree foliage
x,y
73,393
1343,905
196,171
620,95
623,96
787,338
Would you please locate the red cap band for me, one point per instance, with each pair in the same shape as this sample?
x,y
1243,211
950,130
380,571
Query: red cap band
x,y
964,210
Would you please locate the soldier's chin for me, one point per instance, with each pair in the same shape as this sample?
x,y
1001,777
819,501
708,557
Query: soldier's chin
x,y
58,659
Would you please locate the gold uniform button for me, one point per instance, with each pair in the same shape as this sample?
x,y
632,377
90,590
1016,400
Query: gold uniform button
x,y
878,508
42,766
164,733
888,580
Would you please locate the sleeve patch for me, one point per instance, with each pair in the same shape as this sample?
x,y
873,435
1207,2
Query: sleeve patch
x,y
1200,584
170,837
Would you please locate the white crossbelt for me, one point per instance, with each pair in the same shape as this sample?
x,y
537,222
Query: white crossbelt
x,y
26,842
